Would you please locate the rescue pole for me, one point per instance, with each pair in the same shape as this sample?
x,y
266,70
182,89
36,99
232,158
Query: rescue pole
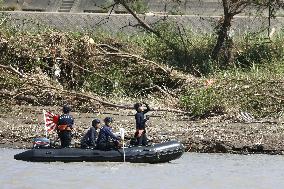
x,y
121,130
44,117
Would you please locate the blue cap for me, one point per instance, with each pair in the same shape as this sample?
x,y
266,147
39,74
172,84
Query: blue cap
x,y
108,120
95,122
66,109
137,105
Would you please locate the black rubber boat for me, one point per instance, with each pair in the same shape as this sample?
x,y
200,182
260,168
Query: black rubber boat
x,y
157,153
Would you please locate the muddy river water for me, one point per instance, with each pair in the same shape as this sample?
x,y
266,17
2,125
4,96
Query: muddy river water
x,y
192,170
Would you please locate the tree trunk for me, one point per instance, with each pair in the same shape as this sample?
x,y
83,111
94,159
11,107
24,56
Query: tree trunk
x,y
223,33
229,55
222,37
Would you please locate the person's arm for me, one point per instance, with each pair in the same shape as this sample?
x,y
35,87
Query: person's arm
x,y
148,108
109,132
92,136
72,122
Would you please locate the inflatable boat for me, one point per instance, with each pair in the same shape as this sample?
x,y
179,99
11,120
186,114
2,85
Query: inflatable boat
x,y
156,153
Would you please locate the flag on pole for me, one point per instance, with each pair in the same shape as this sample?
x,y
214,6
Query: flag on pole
x,y
50,121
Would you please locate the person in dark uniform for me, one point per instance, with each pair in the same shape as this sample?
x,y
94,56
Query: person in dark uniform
x,y
141,119
89,139
106,139
65,126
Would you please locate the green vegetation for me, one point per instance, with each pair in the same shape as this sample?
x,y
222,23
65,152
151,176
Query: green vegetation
x,y
258,90
139,6
109,65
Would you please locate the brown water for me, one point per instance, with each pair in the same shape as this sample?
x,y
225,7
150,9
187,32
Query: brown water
x,y
193,170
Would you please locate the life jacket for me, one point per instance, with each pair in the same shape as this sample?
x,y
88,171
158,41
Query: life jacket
x,y
65,123
63,128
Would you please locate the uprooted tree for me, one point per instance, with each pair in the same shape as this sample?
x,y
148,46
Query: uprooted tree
x,y
89,71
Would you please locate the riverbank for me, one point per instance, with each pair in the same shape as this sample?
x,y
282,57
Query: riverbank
x,y
99,74
220,134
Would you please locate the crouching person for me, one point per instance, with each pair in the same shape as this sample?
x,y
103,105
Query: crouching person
x,y
106,139
89,139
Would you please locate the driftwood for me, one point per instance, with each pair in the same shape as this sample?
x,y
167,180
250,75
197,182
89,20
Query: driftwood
x,y
93,72
11,68
118,53
106,103
33,82
108,46
167,93
128,55
275,97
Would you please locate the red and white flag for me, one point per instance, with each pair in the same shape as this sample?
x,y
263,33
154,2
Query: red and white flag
x,y
50,121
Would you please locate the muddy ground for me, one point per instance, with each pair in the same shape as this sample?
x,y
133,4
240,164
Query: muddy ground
x,y
224,134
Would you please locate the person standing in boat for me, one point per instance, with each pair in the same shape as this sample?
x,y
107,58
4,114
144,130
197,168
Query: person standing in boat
x,y
89,139
65,126
141,120
106,139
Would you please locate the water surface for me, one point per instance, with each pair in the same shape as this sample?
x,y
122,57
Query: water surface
x,y
192,170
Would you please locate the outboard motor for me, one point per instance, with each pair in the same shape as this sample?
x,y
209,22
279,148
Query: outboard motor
x,y
41,143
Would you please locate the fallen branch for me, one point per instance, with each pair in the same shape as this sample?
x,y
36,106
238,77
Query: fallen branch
x,y
4,92
108,46
264,121
128,55
275,97
24,90
83,95
33,82
105,102
171,110
160,89
76,65
11,68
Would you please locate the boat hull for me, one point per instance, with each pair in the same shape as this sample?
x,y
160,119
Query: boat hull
x,y
157,153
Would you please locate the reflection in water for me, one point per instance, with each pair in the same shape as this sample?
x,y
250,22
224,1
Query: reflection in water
x,y
197,171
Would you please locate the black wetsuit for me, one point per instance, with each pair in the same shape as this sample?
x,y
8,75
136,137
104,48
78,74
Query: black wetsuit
x,y
104,139
89,139
65,135
140,125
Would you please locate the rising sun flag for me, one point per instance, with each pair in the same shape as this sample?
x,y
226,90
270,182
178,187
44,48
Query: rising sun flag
x,y
50,121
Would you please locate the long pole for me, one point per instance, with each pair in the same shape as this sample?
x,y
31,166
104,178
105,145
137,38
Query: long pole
x,y
123,150
121,130
44,123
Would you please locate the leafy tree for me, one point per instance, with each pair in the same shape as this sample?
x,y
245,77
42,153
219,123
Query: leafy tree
x,y
232,8
224,41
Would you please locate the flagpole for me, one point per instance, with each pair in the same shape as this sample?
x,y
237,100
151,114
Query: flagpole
x,y
44,123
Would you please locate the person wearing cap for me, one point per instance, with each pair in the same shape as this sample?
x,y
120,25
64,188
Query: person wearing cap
x,y
106,139
65,126
141,120
89,139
